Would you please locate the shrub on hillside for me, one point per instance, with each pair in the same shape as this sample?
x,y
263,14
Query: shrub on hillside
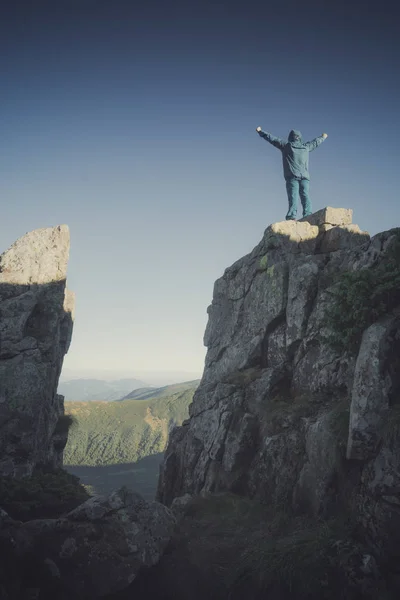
x,y
362,297
47,494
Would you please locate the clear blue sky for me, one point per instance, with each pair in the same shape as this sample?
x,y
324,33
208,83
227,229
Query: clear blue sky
x,y
134,123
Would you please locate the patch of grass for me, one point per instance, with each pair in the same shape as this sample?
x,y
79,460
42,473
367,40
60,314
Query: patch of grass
x,y
236,548
89,489
282,412
47,494
263,263
227,506
362,297
297,408
302,562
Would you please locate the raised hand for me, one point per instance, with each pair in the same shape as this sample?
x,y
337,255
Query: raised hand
x,y
258,129
324,135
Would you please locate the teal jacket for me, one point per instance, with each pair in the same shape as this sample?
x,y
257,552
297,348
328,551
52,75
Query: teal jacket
x,y
294,153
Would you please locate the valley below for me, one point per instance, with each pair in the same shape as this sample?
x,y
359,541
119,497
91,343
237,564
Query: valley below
x,y
121,443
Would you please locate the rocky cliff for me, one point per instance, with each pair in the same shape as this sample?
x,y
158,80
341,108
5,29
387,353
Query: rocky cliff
x,y
36,315
285,413
48,550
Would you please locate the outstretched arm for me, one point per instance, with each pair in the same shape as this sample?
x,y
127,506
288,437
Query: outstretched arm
x,y
277,142
315,143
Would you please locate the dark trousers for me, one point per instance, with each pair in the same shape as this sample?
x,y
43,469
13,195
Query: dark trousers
x,y
294,188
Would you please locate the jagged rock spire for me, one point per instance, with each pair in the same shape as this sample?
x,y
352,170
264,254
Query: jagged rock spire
x,y
36,315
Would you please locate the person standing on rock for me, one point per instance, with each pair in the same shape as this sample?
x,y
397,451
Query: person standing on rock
x,y
295,168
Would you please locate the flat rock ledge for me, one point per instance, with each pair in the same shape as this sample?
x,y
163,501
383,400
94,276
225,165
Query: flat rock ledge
x,y
327,230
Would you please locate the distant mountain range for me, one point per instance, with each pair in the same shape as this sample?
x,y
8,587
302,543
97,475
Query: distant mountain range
x,y
166,390
109,438
89,390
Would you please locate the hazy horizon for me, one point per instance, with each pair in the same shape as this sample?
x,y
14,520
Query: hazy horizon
x,y
153,378
135,125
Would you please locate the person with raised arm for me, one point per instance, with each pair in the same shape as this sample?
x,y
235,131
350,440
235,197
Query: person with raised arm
x,y
295,167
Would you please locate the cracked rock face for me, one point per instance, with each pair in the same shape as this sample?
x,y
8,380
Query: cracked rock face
x,y
271,416
36,315
95,550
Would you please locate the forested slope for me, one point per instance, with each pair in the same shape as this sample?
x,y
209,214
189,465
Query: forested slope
x,y
107,433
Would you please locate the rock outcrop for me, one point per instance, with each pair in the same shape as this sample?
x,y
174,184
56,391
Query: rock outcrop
x,y
95,550
36,316
280,415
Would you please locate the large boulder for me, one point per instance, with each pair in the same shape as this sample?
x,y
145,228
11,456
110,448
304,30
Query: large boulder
x,y
95,550
36,316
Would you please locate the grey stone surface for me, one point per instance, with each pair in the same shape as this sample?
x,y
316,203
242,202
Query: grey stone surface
x,y
312,492
369,407
342,238
36,315
302,291
179,504
379,498
4,518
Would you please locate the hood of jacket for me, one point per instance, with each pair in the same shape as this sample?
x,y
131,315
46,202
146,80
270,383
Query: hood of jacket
x,y
295,136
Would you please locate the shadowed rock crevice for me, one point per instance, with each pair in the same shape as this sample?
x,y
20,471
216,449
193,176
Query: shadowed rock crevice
x,y
37,321
277,323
